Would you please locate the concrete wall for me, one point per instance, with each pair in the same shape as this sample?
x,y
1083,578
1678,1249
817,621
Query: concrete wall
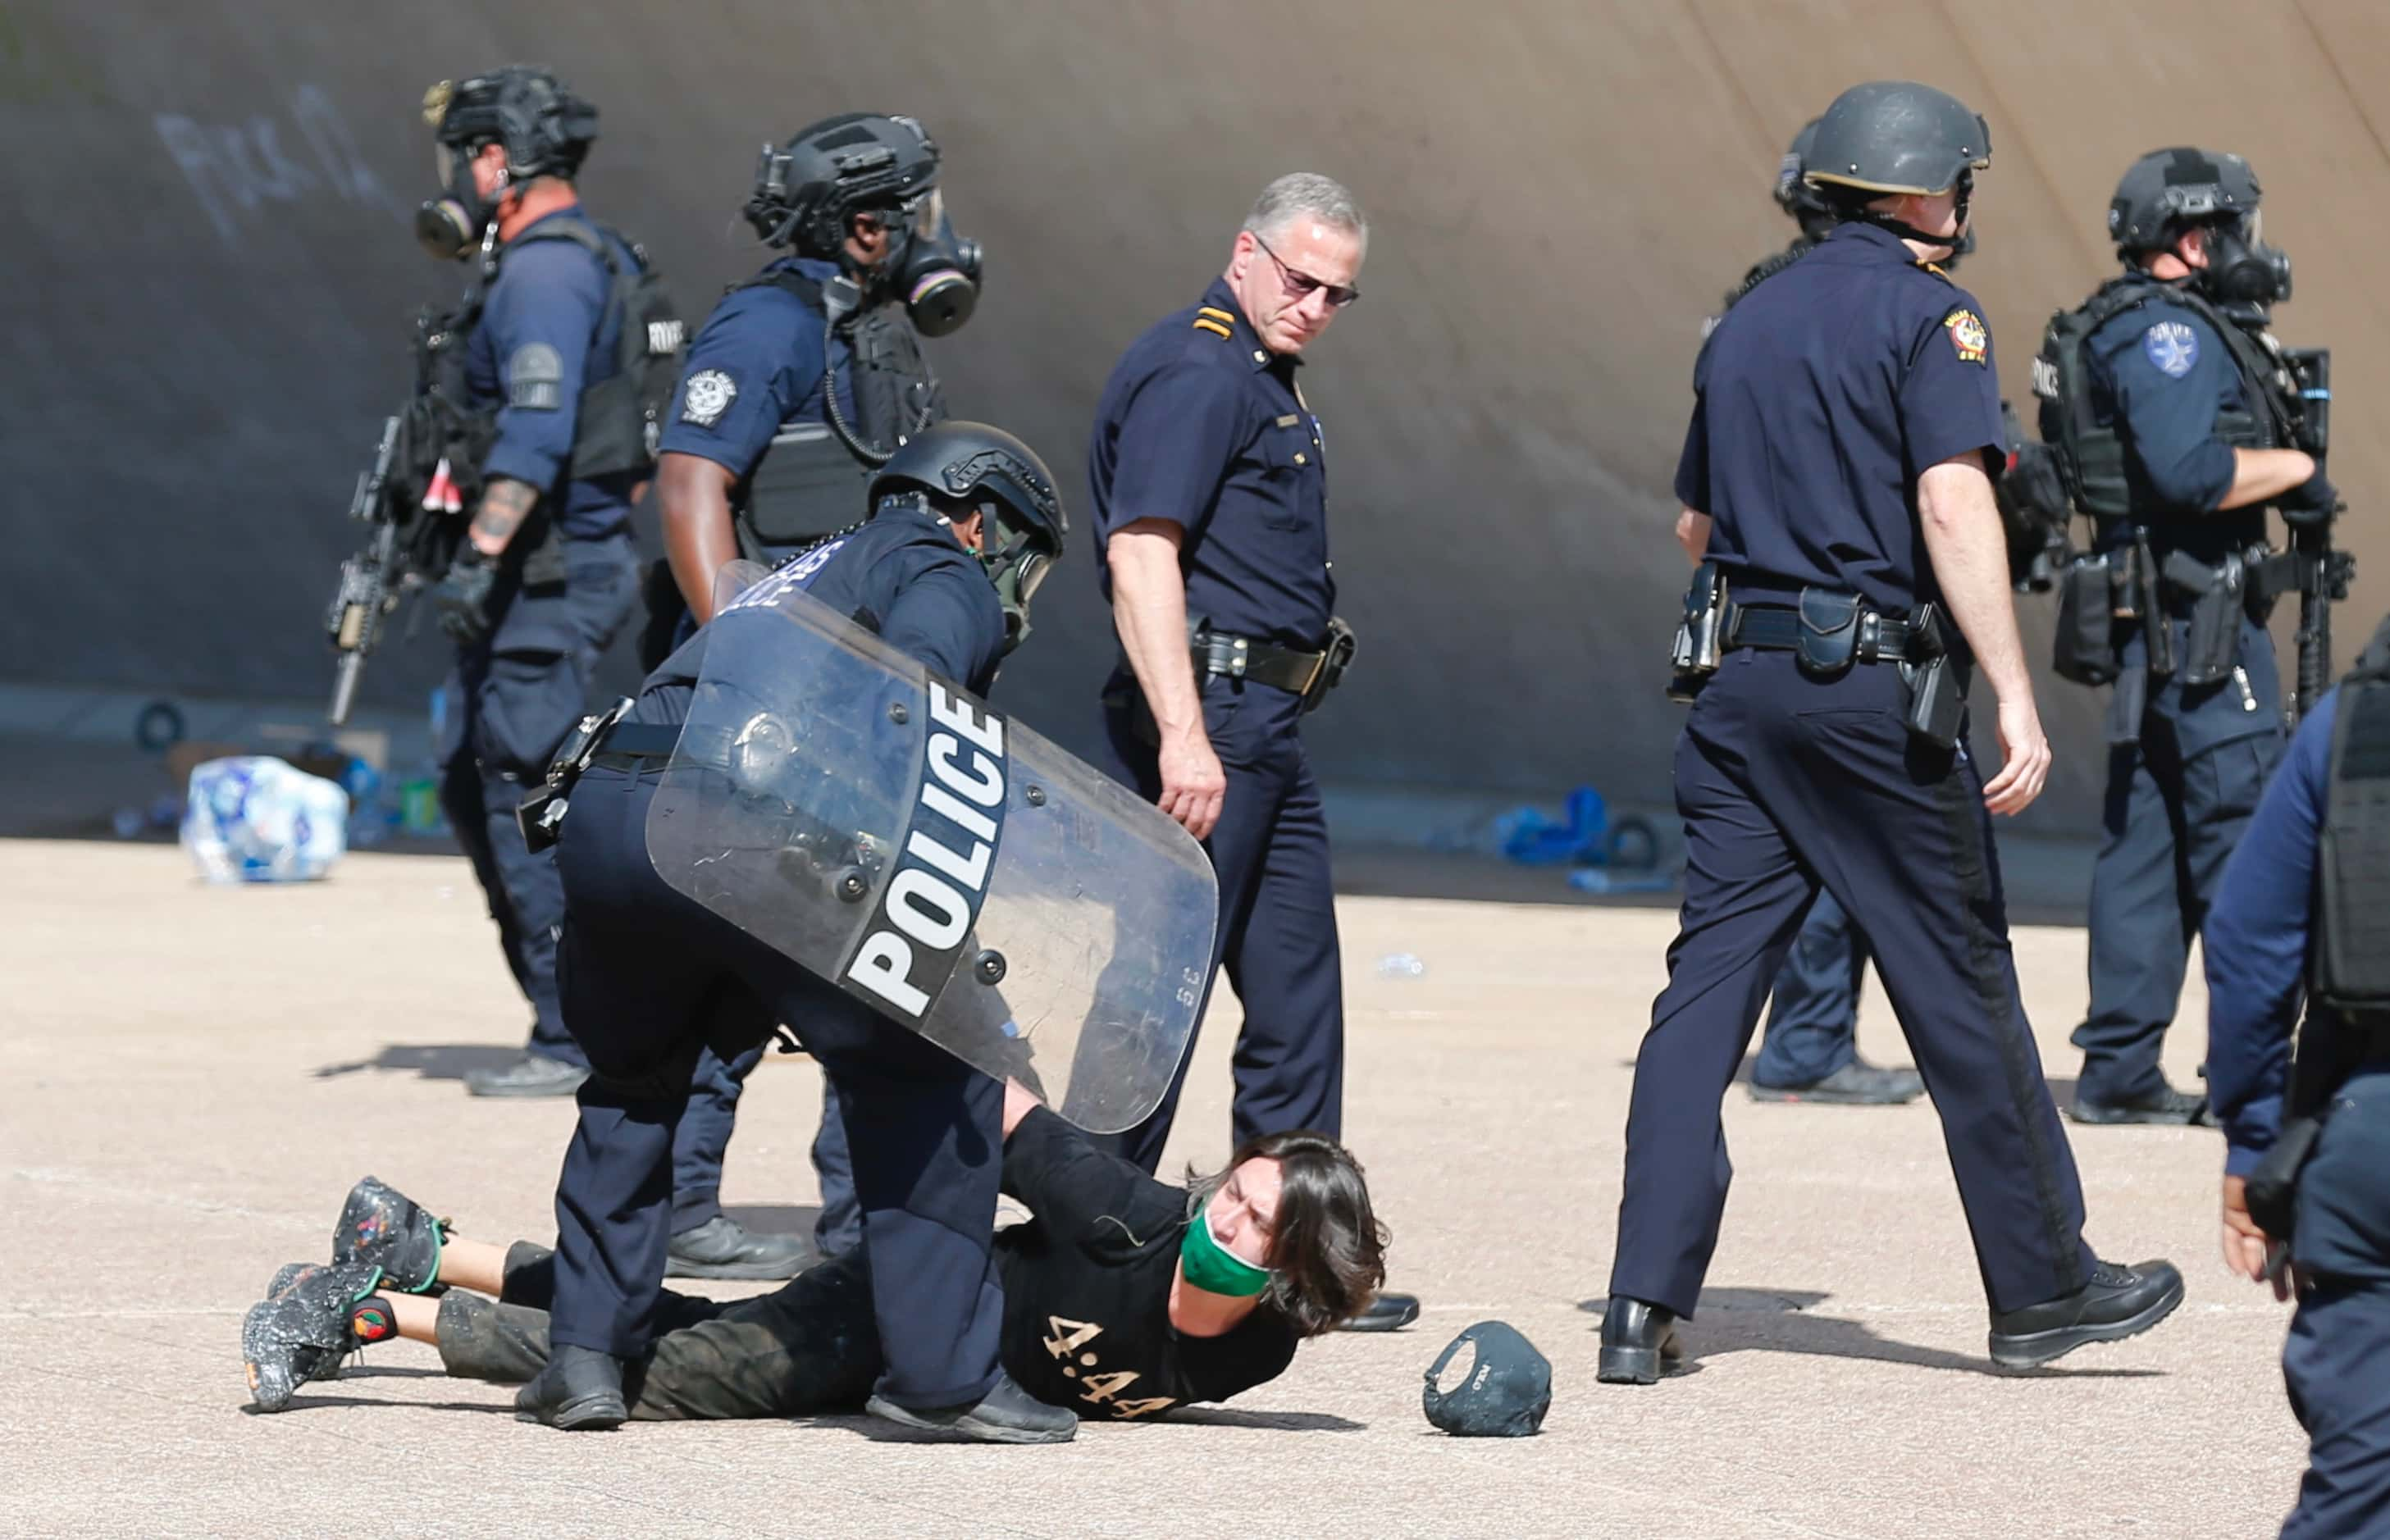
x,y
212,273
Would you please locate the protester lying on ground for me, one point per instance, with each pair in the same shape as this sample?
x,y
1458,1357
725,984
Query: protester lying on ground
x,y
1124,1296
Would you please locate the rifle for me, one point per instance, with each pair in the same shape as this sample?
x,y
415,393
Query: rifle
x,y
2322,573
371,582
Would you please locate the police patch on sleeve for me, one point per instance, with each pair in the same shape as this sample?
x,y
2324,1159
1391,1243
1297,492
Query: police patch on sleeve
x,y
2173,346
707,395
534,377
1967,335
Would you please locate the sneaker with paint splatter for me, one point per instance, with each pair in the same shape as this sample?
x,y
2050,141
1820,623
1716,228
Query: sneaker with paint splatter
x,y
301,1330
385,1227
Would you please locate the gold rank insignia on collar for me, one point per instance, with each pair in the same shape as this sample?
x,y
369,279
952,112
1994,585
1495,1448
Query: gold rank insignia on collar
x,y
1214,320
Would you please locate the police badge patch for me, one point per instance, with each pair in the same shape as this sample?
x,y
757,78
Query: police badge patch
x,y
1967,335
2173,346
708,394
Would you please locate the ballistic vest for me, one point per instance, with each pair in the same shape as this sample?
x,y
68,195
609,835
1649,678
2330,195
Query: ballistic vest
x,y
809,483
2352,951
617,420
2090,453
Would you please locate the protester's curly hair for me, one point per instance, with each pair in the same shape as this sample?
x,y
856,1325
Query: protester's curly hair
x,y
1328,1252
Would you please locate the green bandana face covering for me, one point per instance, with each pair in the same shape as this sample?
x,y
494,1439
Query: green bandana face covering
x,y
1213,1267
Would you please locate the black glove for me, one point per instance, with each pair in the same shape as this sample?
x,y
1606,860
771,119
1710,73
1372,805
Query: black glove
x,y
2312,502
463,596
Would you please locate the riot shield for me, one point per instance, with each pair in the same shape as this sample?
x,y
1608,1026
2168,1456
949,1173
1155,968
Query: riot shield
x,y
950,867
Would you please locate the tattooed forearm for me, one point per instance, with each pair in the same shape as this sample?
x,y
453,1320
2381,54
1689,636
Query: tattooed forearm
x,y
504,504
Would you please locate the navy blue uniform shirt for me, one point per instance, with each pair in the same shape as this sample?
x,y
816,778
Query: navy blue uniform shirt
x,y
1820,399
2256,945
546,336
2160,374
904,576
1201,425
755,365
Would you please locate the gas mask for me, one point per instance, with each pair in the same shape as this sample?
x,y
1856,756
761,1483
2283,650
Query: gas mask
x,y
1017,559
935,272
451,225
2241,269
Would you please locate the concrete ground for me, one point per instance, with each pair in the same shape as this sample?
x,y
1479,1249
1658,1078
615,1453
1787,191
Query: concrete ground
x,y
190,1078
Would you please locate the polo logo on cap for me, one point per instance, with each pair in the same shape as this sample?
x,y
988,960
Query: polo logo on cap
x,y
1967,335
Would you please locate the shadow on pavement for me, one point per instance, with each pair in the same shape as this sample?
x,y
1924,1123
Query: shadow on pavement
x,y
1781,1320
430,1061
1291,1422
310,1403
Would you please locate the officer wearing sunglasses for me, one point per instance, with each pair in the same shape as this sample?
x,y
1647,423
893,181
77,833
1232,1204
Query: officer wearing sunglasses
x,y
1210,489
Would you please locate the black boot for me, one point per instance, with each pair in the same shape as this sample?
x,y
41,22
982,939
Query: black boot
x,y
534,1074
1639,1342
2119,1302
581,1387
722,1248
1007,1414
1856,1083
1385,1312
2165,1105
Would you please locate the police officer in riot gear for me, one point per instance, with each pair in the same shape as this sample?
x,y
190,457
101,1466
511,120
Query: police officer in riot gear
x,y
800,385
2167,402
2299,923
543,579
809,375
570,350
1850,576
1810,1052
965,524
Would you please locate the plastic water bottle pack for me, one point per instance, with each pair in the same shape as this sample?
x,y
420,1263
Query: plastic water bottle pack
x,y
256,819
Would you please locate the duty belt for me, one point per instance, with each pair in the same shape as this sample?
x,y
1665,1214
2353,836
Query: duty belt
x,y
626,743
1776,628
1243,658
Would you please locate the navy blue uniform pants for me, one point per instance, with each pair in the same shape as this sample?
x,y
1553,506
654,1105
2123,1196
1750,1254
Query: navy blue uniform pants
x,y
1813,1015
649,977
511,702
1786,784
2336,1362
1276,937
2179,798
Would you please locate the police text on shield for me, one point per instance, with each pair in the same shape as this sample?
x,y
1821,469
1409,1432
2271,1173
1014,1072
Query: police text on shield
x,y
927,910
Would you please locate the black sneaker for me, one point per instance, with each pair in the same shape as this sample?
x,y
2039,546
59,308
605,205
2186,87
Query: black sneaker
x,y
301,1331
1385,1312
1856,1083
580,1389
383,1226
2118,1302
1005,1415
2165,1105
722,1248
534,1074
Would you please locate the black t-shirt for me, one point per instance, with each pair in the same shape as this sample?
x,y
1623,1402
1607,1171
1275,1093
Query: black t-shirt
x,y
1087,1286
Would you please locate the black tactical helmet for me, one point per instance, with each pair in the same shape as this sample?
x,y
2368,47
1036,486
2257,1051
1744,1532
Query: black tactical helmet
x,y
972,462
1793,195
1896,136
805,191
546,129
2169,189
